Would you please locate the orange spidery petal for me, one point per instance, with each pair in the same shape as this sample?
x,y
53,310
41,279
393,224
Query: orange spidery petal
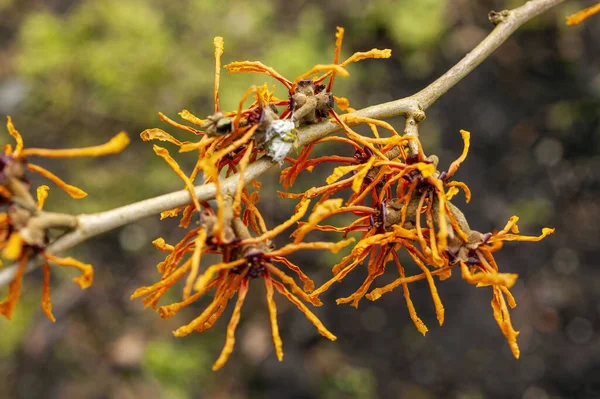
x,y
165,282
46,304
378,292
456,226
161,245
466,136
389,183
502,317
338,139
236,144
17,136
7,306
309,285
199,145
4,192
159,134
300,212
436,259
231,327
285,279
320,211
273,317
408,197
452,191
87,271
210,272
412,312
171,122
340,171
73,191
253,211
356,119
511,225
579,17
361,174
168,311
212,173
339,276
288,175
188,116
200,320
367,190
239,187
213,146
219,47
376,267
259,67
322,68
424,248
455,184
374,130
509,297
196,255
14,247
167,266
42,194
339,37
171,212
212,319
489,257
546,231
366,141
442,235
164,154
437,302
333,247
309,315
311,163
342,102
239,113
373,53
487,278
186,218
113,146
8,150
327,227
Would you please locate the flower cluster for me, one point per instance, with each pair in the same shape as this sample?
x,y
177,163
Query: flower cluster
x,y
234,229
399,198
25,226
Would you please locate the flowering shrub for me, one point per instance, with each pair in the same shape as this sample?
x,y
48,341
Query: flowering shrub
x,y
400,199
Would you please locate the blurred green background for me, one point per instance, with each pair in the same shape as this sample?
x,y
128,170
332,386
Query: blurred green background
x,y
75,72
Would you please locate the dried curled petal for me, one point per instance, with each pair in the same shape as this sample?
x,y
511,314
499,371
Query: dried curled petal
x,y
73,191
320,212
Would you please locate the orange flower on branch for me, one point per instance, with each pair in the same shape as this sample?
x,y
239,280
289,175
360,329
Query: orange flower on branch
x,y
23,235
309,100
244,257
24,227
16,161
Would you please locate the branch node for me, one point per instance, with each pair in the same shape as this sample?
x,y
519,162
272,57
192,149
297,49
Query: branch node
x,y
418,115
497,17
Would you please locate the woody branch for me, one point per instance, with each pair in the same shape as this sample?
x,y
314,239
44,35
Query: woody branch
x,y
412,108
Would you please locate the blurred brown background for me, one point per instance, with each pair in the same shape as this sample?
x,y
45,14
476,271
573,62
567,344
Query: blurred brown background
x,y
75,72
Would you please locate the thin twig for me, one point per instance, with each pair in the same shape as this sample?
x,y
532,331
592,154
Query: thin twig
x,y
412,108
